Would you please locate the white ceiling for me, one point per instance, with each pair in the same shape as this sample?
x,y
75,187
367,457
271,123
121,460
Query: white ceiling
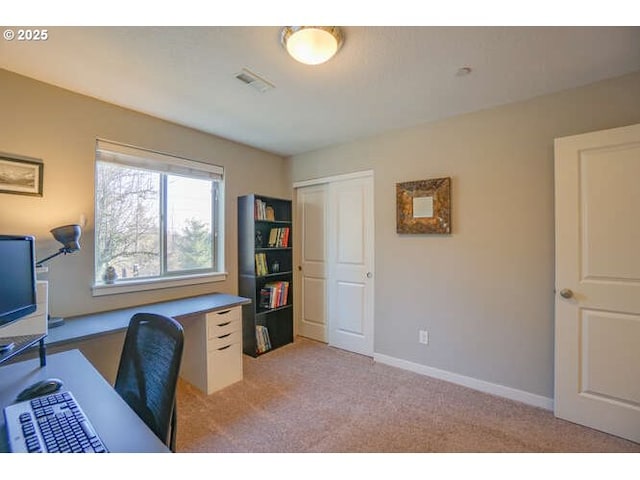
x,y
383,78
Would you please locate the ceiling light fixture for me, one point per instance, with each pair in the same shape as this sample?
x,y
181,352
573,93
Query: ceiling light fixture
x,y
311,45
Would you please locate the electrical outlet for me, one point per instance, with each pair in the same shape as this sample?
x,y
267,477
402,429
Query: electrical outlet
x,y
424,337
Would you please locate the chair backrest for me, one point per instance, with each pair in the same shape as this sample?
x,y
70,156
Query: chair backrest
x,y
148,372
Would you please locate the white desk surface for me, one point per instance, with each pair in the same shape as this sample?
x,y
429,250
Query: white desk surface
x,y
119,427
93,324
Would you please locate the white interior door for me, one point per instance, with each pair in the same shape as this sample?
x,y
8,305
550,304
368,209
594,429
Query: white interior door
x,y
311,216
597,377
351,239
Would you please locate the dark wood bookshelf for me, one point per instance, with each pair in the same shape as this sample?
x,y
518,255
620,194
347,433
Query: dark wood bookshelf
x,y
253,238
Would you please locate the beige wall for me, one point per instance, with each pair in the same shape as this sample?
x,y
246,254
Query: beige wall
x,y
484,293
61,128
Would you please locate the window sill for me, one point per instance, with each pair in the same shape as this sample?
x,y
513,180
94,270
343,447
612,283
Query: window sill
x,y
129,286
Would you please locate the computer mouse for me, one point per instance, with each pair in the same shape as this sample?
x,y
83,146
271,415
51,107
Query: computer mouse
x,y
38,389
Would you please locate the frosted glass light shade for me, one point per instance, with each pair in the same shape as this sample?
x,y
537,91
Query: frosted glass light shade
x,y
311,45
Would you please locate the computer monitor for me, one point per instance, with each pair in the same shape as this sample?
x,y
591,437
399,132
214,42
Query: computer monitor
x,y
17,277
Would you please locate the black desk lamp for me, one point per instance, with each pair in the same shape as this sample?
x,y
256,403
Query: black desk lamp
x,y
68,236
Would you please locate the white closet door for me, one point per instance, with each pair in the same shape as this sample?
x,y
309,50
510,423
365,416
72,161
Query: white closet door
x,y
311,229
351,238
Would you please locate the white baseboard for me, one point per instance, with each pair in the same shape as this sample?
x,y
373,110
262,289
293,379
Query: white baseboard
x,y
470,382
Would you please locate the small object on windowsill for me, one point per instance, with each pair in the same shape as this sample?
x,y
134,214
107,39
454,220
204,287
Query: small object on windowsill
x,y
110,275
53,322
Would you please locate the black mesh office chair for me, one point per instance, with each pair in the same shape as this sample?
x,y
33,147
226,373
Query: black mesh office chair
x,y
148,372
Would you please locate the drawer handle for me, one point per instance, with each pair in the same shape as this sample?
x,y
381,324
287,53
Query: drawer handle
x,y
223,324
223,336
222,313
224,348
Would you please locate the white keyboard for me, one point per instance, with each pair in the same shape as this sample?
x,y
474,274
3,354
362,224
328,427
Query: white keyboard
x,y
51,423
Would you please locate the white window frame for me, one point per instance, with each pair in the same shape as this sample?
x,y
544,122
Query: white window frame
x,y
129,156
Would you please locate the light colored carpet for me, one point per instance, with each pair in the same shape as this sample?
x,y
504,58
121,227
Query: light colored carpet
x,y
308,397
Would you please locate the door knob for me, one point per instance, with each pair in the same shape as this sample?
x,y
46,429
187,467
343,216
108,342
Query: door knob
x,y
369,274
299,268
566,293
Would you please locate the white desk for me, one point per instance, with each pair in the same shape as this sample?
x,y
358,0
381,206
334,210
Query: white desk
x,y
212,357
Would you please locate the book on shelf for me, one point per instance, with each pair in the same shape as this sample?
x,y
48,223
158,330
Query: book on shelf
x,y
263,342
269,213
272,237
274,294
284,294
261,265
262,211
265,298
279,237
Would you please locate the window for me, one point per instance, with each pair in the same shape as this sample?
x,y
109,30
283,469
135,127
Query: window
x,y
157,217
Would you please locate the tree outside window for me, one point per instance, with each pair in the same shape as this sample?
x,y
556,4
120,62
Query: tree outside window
x,y
153,224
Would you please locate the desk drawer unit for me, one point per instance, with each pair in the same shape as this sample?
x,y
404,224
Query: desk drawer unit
x,y
223,323
212,358
224,340
224,348
224,365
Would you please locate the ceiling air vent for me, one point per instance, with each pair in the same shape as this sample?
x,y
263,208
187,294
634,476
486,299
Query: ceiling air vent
x,y
254,80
